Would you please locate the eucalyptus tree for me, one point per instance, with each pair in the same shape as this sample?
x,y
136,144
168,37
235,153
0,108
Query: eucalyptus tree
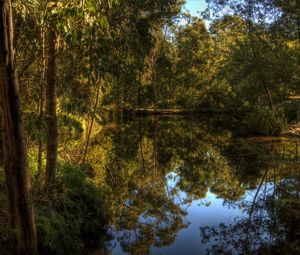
x,y
226,33
254,69
134,26
194,47
159,71
287,27
93,50
50,110
83,22
289,20
15,154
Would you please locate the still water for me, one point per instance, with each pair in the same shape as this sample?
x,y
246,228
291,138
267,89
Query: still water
x,y
190,186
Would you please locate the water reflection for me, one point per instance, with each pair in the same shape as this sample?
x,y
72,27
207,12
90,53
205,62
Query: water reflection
x,y
185,186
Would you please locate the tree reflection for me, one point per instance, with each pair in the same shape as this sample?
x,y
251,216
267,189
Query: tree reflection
x,y
154,162
154,169
271,224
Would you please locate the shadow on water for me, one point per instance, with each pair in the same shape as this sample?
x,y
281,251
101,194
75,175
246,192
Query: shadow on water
x,y
188,186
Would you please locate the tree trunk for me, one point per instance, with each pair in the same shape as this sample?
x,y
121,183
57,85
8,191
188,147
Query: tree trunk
x,y
268,93
91,125
154,81
51,118
298,29
139,90
15,158
298,24
41,105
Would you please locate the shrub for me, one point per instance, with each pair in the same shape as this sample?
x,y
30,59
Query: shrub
x,y
76,219
263,122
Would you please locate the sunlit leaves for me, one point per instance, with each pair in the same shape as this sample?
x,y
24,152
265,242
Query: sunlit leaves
x,y
194,66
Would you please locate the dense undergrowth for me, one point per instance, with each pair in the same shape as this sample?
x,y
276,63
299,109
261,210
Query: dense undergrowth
x,y
75,220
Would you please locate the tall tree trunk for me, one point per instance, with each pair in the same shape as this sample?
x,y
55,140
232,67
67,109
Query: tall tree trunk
x,y
15,158
298,23
268,93
298,29
139,89
51,118
154,81
141,145
91,125
41,106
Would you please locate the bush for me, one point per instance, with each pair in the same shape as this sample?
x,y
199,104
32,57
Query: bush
x,y
263,122
292,111
76,219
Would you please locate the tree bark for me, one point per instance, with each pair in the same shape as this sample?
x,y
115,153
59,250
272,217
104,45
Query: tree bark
x,y
41,105
268,93
154,79
139,90
91,126
15,155
51,118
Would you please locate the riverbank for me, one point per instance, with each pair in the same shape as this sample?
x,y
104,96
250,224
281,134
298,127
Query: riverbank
x,y
159,111
173,111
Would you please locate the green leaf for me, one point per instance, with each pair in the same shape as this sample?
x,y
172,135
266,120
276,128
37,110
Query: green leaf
x,y
51,4
103,22
91,6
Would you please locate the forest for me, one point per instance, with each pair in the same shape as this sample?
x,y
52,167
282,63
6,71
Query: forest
x,y
117,115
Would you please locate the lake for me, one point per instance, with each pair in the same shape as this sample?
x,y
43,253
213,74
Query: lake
x,y
182,185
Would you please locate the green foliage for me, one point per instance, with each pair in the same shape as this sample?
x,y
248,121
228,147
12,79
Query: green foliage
x,y
264,122
194,66
257,56
71,127
246,65
34,126
77,218
292,111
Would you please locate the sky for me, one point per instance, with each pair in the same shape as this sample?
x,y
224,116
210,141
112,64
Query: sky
x,y
194,6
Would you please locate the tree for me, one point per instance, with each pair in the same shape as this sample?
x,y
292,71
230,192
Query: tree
x,y
51,118
15,158
158,74
195,47
260,67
